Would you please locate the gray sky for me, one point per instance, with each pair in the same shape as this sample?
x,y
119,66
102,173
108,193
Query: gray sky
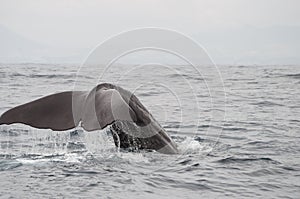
x,y
232,31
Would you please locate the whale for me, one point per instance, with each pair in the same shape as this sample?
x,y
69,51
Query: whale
x,y
107,105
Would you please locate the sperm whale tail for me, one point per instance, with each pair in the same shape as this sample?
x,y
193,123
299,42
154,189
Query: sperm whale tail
x,y
94,110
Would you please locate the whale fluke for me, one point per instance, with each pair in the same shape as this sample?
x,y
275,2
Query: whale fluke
x,y
104,105
53,112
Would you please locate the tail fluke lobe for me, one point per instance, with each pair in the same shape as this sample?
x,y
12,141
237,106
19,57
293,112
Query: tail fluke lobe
x,y
50,112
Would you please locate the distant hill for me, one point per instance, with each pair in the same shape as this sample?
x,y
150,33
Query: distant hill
x,y
247,45
16,48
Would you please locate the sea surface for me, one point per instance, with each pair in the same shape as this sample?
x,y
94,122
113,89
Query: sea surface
x,y
244,142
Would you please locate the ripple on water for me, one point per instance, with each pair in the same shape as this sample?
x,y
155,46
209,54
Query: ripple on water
x,y
6,164
232,159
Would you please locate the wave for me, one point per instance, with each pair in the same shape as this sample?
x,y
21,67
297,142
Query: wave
x,y
246,160
46,76
52,76
295,76
267,103
9,164
184,76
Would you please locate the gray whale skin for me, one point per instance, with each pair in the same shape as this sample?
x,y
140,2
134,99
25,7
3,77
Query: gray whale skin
x,y
132,125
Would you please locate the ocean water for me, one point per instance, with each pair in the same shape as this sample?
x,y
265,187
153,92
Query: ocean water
x,y
252,153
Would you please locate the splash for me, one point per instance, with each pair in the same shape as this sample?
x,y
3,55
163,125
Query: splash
x,y
191,146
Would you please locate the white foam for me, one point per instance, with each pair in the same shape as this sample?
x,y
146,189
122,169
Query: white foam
x,y
192,146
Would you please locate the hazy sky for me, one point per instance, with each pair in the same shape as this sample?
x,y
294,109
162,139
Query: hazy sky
x,y
80,25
